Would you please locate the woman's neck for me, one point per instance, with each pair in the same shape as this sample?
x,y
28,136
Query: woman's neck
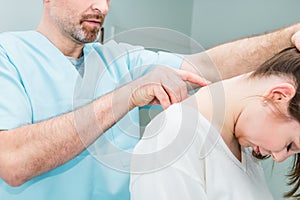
x,y
221,103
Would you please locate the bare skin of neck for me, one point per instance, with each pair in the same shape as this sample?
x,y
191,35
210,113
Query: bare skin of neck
x,y
220,113
221,104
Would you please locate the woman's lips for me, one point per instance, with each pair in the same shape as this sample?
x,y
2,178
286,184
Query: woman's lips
x,y
257,150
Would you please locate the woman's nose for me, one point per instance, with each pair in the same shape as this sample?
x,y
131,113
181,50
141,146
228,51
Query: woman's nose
x,y
280,156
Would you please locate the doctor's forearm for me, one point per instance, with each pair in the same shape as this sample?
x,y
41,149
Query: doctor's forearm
x,y
31,150
241,56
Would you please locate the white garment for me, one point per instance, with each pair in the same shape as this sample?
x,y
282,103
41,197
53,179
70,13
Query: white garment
x,y
202,167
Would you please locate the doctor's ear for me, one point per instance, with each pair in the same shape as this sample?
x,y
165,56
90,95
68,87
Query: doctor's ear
x,y
283,92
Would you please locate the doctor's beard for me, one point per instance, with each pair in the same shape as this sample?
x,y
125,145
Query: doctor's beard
x,y
86,33
85,36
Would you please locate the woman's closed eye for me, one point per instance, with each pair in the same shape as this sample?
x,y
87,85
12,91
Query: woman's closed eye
x,y
289,146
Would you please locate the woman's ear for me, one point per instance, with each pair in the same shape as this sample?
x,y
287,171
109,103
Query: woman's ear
x,y
282,92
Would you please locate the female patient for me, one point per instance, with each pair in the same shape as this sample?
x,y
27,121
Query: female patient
x,y
181,155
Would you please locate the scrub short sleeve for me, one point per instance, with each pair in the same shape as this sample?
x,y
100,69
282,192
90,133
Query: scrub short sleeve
x,y
142,60
123,58
145,57
14,103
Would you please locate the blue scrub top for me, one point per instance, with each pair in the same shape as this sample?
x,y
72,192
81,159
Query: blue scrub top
x,y
38,82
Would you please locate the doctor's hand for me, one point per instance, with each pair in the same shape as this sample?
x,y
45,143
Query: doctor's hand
x,y
296,39
164,86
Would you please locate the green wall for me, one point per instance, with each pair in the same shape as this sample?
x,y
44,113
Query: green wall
x,y
217,21
19,15
209,22
172,14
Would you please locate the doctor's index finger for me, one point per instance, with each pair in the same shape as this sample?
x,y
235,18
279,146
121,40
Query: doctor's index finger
x,y
192,77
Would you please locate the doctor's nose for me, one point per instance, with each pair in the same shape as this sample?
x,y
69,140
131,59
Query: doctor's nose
x,y
280,156
101,5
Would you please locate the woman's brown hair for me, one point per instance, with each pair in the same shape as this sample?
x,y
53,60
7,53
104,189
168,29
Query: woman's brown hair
x,y
287,63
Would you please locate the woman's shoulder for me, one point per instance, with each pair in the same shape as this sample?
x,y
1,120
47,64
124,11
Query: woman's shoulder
x,y
172,136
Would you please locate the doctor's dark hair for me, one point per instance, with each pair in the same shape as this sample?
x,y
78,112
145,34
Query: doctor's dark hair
x,y
287,64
